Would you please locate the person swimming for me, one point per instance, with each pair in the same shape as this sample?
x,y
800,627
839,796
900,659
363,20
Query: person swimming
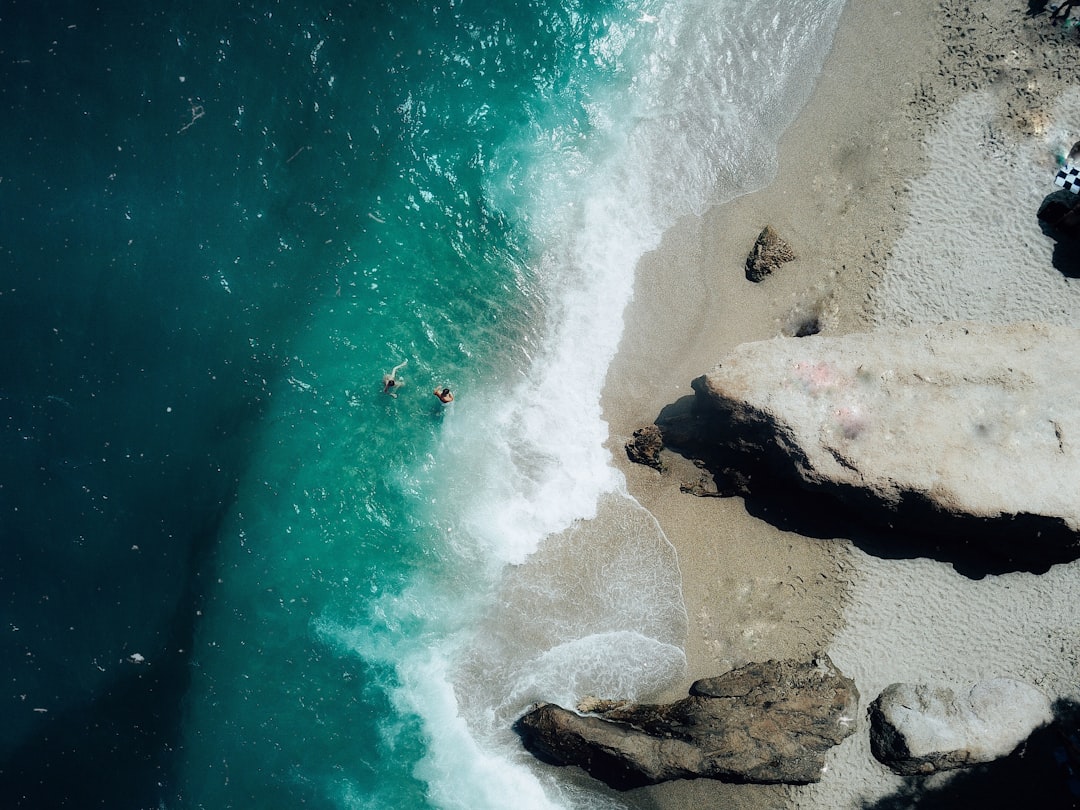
x,y
443,394
391,382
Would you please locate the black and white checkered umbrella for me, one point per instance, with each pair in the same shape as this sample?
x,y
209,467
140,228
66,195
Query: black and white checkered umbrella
x,y
1069,177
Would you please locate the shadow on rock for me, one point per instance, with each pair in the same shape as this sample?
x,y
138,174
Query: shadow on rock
x,y
1043,773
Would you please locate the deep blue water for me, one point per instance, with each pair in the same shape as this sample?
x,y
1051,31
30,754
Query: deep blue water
x,y
234,572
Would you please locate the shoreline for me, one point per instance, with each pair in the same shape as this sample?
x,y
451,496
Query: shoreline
x,y
837,174
841,198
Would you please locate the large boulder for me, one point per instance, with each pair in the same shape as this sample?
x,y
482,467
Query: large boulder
x,y
920,729
965,432
766,722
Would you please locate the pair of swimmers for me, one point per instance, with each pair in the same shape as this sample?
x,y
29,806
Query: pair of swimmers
x,y
391,383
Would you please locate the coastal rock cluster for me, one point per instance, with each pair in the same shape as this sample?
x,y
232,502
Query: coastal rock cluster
x,y
964,437
774,722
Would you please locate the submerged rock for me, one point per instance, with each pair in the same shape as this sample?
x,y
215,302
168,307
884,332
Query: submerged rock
x,y
965,432
768,253
919,729
768,722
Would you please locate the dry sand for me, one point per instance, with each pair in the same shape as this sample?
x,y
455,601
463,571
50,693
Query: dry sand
x,y
908,186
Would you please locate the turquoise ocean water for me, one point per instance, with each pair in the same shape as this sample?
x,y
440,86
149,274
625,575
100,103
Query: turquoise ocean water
x,y
234,573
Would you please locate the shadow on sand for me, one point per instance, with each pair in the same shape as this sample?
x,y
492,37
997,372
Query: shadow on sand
x,y
1059,219
1042,773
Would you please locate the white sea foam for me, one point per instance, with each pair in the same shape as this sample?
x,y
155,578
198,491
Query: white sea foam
x,y
461,772
699,125
590,602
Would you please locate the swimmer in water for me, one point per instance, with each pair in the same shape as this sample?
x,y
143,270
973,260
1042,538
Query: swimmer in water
x,y
444,395
390,382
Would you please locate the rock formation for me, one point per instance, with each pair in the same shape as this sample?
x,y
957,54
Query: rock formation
x,y
963,433
918,729
645,446
768,253
766,722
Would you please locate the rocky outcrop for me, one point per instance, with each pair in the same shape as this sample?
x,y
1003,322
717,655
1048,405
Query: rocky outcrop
x,y
919,729
768,253
963,433
766,722
645,446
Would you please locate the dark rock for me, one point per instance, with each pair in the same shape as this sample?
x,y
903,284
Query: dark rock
x,y
645,446
767,722
768,253
919,729
1060,212
683,428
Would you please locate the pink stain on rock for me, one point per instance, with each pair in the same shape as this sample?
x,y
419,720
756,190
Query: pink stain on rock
x,y
819,376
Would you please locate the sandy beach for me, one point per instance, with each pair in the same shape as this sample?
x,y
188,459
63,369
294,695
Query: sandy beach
x,y
908,188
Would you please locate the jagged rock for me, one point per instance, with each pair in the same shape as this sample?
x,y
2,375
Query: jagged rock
x,y
920,729
965,433
645,446
766,722
768,253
